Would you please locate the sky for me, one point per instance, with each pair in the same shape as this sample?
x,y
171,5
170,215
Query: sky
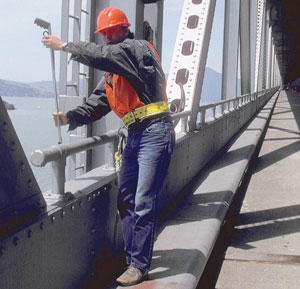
x,y
23,58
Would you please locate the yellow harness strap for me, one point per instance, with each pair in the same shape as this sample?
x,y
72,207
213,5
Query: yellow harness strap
x,y
145,111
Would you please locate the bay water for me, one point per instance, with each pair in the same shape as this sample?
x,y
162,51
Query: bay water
x,y
35,128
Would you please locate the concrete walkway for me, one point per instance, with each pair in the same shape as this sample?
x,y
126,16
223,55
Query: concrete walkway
x,y
265,249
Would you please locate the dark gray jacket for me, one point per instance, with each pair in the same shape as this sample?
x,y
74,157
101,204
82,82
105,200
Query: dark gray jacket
x,y
133,59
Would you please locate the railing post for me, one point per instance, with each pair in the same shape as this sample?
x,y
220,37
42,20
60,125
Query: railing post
x,y
184,124
203,116
113,147
214,112
58,177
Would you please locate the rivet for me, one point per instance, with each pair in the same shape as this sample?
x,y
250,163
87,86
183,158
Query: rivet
x,y
93,252
1,251
29,233
29,183
42,226
93,209
94,196
72,208
4,126
98,193
89,198
93,230
22,166
52,219
63,213
16,241
12,146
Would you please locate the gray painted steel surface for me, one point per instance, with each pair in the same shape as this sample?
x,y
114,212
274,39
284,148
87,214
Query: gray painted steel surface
x,y
245,47
20,196
85,231
230,49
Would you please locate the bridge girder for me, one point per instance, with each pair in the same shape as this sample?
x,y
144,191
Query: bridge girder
x,y
285,20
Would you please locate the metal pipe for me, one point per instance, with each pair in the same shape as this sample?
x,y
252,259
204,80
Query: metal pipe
x,y
57,154
58,177
40,158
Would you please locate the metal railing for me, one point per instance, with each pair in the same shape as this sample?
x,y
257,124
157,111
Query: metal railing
x,y
57,154
227,105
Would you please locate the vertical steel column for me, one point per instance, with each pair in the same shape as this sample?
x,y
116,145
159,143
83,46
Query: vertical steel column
x,y
273,65
64,56
259,36
153,14
190,54
245,55
253,34
159,26
265,47
76,37
277,75
269,59
230,49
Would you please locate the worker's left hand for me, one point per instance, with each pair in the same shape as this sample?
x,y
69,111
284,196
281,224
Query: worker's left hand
x,y
52,42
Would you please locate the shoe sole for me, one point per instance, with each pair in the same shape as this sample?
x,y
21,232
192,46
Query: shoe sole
x,y
145,277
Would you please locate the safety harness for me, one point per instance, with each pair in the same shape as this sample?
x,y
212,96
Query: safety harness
x,y
150,110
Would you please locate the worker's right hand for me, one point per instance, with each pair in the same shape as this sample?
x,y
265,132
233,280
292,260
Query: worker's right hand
x,y
52,42
60,118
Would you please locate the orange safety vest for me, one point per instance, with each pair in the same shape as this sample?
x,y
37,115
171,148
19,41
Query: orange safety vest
x,y
122,97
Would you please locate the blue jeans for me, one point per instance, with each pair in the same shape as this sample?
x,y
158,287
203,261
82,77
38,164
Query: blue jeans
x,y
145,163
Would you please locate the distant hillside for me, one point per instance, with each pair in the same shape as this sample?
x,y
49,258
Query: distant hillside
x,y
13,88
212,86
211,91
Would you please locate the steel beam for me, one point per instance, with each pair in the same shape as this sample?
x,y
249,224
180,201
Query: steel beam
x,y
269,60
20,195
230,49
190,55
259,41
245,48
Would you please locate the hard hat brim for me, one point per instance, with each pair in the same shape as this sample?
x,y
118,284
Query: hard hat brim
x,y
110,26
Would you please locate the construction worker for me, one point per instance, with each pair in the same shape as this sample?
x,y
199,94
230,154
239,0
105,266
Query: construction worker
x,y
134,88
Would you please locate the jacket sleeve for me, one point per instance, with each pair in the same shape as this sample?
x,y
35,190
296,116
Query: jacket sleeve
x,y
133,59
118,58
93,109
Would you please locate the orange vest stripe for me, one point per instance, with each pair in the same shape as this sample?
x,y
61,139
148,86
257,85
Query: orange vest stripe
x,y
121,96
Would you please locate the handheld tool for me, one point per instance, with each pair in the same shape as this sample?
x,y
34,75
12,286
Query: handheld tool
x,y
47,25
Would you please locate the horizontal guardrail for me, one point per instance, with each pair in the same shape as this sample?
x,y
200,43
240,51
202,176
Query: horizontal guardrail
x,y
40,158
57,154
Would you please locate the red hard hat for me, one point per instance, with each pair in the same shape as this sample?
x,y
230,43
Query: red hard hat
x,y
110,17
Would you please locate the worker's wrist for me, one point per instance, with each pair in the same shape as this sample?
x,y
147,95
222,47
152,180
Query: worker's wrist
x,y
65,47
